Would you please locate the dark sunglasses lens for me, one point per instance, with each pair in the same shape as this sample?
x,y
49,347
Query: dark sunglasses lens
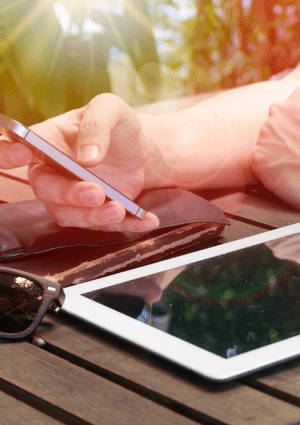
x,y
20,300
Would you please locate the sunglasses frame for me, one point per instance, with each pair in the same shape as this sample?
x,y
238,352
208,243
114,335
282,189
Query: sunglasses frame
x,y
52,293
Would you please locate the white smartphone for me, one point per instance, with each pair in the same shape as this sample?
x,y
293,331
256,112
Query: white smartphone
x,y
56,159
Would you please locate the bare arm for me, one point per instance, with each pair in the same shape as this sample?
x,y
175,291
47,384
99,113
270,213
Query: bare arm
x,y
210,144
207,145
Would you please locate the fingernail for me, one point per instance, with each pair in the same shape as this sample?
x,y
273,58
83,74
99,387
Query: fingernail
x,y
89,153
151,223
111,214
90,197
20,156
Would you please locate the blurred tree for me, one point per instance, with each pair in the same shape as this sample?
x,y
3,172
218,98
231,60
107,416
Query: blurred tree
x,y
54,55
132,33
232,43
48,67
29,34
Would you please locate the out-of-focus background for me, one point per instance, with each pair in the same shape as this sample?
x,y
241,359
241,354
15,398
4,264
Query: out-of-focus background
x,y
57,55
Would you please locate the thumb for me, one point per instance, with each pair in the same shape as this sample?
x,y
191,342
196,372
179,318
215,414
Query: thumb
x,y
100,118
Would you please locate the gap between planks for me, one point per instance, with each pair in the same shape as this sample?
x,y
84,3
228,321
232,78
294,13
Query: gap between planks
x,y
74,394
41,406
138,370
15,412
139,389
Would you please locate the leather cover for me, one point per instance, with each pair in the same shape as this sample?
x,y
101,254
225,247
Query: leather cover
x,y
73,255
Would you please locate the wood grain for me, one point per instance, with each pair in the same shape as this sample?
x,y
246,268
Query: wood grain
x,y
284,378
70,388
239,230
230,403
96,378
259,210
15,412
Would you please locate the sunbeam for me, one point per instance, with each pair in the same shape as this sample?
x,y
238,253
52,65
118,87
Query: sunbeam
x,y
24,24
11,6
139,17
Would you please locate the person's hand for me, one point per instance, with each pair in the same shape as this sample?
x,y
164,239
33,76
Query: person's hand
x,y
13,154
106,137
276,157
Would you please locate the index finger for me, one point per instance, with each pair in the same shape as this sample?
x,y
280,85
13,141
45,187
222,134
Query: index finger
x,y
13,154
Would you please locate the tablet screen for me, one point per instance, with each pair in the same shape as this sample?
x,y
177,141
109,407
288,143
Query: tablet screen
x,y
230,304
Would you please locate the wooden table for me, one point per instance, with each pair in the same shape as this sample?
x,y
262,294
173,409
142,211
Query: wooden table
x,y
86,376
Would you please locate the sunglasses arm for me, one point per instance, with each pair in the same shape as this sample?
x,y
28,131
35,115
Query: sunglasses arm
x,y
36,339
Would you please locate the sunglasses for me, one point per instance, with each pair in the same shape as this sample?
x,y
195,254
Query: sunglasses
x,y
24,300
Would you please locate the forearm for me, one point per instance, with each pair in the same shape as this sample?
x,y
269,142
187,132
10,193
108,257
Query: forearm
x,y
210,144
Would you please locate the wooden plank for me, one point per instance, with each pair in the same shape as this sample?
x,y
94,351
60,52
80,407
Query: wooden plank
x,y
15,412
14,191
73,392
226,402
239,230
260,210
229,403
283,380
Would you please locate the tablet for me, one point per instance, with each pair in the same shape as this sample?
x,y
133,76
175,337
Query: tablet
x,y
222,312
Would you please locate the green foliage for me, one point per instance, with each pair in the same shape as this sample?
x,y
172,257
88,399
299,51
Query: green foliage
x,y
273,335
247,299
218,44
47,69
227,45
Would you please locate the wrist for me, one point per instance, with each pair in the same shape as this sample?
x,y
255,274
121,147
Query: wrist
x,y
159,149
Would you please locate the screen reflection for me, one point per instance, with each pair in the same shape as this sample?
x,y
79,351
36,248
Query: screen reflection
x,y
228,305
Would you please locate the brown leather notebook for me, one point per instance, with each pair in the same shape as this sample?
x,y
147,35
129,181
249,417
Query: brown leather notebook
x,y
31,240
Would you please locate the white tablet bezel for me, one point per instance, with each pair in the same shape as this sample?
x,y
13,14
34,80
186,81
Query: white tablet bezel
x,y
170,347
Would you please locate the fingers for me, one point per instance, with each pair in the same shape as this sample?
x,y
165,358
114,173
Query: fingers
x,y
82,204
50,187
109,217
72,216
131,224
13,154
